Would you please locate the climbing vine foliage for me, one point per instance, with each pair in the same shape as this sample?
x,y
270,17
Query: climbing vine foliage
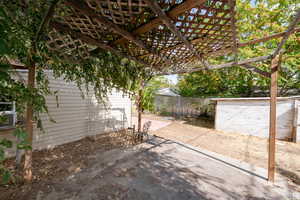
x,y
20,22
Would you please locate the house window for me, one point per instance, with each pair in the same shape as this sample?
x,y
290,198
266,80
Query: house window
x,y
8,115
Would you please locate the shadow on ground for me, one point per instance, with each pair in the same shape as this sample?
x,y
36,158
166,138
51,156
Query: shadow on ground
x,y
160,169
203,122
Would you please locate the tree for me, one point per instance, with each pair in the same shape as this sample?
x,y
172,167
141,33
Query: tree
x,y
255,19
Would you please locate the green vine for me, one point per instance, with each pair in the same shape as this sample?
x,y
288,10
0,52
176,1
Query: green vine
x,y
19,23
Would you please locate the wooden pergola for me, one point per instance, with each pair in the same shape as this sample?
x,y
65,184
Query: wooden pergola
x,y
165,36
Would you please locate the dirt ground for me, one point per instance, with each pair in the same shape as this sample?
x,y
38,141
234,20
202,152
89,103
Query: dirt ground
x,y
251,149
58,163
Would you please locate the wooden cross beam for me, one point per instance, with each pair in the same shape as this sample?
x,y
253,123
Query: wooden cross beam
x,y
46,19
225,65
288,33
267,38
63,28
86,10
257,70
233,28
168,22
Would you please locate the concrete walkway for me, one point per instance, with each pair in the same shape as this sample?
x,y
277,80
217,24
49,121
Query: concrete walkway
x,y
155,124
164,170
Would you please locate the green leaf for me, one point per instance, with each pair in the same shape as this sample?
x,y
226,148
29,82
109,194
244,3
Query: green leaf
x,y
20,134
6,176
3,47
6,143
2,154
24,146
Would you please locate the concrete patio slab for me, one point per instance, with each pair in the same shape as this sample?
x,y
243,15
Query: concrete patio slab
x,y
164,170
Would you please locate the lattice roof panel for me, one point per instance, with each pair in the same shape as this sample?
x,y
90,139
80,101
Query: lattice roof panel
x,y
67,47
166,34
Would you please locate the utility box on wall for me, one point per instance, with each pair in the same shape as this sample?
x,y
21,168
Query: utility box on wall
x,y
250,116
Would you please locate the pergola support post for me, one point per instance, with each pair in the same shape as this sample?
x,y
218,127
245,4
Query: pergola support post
x,y
140,110
29,125
272,129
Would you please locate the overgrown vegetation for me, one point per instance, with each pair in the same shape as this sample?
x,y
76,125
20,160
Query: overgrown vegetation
x,y
23,39
255,19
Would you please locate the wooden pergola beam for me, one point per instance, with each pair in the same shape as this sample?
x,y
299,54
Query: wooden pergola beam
x,y
256,70
168,22
173,13
46,19
288,33
86,10
87,39
233,28
225,65
267,38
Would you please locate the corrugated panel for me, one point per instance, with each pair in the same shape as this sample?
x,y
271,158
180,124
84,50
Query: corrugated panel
x,y
76,117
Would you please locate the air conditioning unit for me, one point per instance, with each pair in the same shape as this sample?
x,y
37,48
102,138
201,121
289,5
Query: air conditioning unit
x,y
8,111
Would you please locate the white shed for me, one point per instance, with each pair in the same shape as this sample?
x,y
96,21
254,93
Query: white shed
x,y
77,117
250,116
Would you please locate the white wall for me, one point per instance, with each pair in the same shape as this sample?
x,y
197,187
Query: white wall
x,y
76,117
251,117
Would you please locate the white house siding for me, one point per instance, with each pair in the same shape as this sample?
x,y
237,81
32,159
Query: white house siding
x,y
251,116
77,117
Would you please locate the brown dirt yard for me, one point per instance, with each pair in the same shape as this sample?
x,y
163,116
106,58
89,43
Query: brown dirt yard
x,y
250,149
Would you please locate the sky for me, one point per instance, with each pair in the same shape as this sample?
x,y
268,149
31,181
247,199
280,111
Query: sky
x,y
172,78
